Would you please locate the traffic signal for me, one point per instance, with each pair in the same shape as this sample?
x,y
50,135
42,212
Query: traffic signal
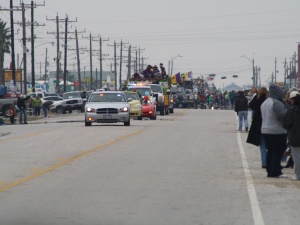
x,y
234,76
223,77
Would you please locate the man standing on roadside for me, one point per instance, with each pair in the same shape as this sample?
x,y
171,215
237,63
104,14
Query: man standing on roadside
x,y
21,103
241,108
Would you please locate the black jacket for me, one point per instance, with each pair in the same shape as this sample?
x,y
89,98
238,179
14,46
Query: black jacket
x,y
291,122
21,102
254,136
241,103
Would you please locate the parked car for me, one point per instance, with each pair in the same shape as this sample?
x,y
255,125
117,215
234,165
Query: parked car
x,y
135,104
56,106
74,100
107,107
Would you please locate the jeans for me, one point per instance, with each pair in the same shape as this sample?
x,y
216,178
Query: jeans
x,y
276,145
37,111
243,115
23,112
263,151
44,110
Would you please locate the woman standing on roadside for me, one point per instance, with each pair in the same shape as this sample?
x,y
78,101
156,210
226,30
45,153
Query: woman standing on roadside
x,y
37,104
255,137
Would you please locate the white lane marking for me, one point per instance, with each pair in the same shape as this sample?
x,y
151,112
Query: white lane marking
x,y
256,212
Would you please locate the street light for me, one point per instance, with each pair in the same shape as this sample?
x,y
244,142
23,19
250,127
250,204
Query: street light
x,y
253,70
172,59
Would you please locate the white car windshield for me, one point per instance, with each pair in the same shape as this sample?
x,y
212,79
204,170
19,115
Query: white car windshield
x,y
71,95
131,95
142,91
106,97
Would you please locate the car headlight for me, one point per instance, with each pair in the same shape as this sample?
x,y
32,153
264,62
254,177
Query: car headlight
x,y
125,109
137,107
172,100
88,109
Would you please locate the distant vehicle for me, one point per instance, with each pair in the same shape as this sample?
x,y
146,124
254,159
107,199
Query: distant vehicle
x,y
149,110
74,100
107,107
135,104
158,94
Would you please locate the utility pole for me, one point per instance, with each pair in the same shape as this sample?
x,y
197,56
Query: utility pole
x,y
139,66
254,72
78,56
46,64
32,43
275,70
11,9
285,73
12,42
24,40
115,63
115,58
66,51
129,63
121,60
259,76
101,59
91,59
96,84
58,53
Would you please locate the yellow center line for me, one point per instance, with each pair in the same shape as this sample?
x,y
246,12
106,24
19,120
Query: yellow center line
x,y
39,173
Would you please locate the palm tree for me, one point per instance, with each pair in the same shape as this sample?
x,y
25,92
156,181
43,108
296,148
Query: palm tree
x,y
4,47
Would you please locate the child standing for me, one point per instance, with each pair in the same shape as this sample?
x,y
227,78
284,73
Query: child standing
x,y
291,122
12,114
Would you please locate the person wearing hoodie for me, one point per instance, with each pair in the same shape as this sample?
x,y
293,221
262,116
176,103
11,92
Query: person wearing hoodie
x,y
272,112
241,108
291,122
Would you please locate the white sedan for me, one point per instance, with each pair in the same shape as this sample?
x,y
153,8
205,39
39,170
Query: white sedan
x,y
107,107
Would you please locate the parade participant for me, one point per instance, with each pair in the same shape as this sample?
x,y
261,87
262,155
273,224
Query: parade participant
x,y
156,72
148,73
291,122
163,71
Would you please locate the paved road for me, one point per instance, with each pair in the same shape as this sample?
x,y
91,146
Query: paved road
x,y
191,167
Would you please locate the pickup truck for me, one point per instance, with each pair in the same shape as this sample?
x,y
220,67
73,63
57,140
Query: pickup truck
x,y
5,103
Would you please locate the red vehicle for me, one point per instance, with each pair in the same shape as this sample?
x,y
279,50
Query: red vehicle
x,y
148,109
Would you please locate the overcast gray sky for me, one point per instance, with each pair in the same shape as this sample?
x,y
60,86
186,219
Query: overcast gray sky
x,y
211,35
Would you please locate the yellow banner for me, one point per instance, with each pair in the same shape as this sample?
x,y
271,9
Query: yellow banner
x,y
8,75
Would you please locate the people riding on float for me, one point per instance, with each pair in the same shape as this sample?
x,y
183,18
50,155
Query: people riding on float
x,y
148,72
163,71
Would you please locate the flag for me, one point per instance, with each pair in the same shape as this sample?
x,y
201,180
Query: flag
x,y
178,78
173,79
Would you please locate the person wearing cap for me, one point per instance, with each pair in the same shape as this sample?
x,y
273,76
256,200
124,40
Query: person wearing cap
x,y
291,122
148,73
272,112
21,103
163,71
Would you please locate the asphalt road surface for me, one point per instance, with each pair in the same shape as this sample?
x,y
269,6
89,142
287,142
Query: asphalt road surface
x,y
187,168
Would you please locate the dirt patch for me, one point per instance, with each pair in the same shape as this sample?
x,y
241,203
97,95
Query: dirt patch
x,y
2,134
